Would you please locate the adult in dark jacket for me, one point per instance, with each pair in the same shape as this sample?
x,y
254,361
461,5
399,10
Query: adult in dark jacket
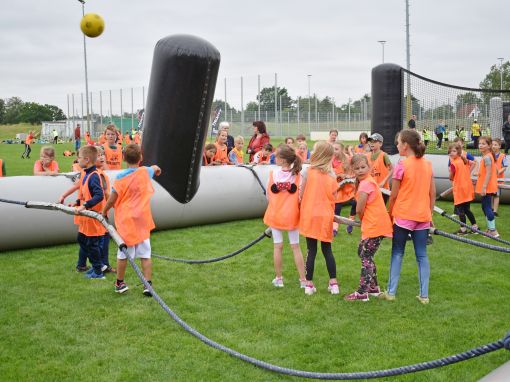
x,y
258,140
506,134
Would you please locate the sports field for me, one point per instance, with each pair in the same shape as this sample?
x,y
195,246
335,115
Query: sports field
x,y
58,326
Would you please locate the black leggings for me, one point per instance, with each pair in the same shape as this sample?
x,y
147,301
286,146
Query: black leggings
x,y
26,153
464,210
351,202
311,253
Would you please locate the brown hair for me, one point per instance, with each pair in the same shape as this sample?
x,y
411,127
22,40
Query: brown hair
x,y
261,127
412,138
488,140
219,133
322,156
288,155
363,135
90,152
132,153
457,146
48,150
287,138
111,128
268,147
333,131
300,137
358,158
498,141
210,146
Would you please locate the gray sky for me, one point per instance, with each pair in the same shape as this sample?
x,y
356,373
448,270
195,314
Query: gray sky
x,y
452,41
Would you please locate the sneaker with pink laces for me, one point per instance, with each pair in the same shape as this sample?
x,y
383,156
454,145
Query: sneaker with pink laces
x,y
333,288
278,282
310,289
355,296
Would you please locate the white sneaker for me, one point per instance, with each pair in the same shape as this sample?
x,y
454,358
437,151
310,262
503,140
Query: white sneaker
x,y
302,284
278,282
333,289
310,289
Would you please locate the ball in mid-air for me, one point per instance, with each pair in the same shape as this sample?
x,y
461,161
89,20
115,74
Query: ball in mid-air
x,y
92,25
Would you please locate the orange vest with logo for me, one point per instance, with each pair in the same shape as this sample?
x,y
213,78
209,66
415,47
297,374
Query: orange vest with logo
x,y
499,165
89,226
283,209
133,217
221,154
376,221
463,190
347,191
113,157
318,206
263,159
413,199
492,186
105,183
379,169
1,171
88,140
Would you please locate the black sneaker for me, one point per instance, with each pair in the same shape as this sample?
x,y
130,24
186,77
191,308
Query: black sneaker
x,y
496,214
82,269
146,290
429,239
121,287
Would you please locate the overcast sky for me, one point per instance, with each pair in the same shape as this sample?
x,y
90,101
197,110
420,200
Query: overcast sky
x,y
453,41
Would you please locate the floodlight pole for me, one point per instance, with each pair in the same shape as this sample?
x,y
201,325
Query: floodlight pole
x,y
382,42
501,74
309,103
86,75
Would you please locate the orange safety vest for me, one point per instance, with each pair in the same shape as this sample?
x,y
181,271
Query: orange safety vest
x,y
221,153
263,159
492,186
239,155
283,209
499,165
376,221
102,139
89,226
347,191
463,190
29,139
133,217
318,206
359,150
105,183
379,169
53,165
113,157
127,139
137,139
88,140
413,199
1,172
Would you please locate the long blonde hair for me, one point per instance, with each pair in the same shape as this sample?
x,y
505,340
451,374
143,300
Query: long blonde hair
x,y
322,156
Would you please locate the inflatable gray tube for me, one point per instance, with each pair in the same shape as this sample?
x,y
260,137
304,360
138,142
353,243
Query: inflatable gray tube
x,y
226,193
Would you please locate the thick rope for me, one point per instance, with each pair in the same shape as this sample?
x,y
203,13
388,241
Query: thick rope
x,y
476,352
436,231
250,168
267,233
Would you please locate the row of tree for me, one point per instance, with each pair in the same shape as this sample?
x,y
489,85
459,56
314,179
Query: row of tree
x,y
13,110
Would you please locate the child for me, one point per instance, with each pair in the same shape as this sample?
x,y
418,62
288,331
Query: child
x,y
127,138
282,213
426,136
130,196
221,155
208,156
302,152
501,165
2,168
487,182
112,151
236,155
137,138
47,165
317,213
363,146
90,197
333,134
463,191
76,166
380,163
345,193
28,141
349,151
264,155
375,225
299,140
289,141
88,139
413,194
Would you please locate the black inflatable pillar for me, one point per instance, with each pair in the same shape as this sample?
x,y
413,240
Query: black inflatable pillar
x,y
387,101
181,91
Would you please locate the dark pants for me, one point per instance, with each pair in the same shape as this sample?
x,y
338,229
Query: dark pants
x,y
77,145
475,141
351,202
439,140
366,252
311,253
90,248
105,246
464,210
507,144
26,153
55,140
487,206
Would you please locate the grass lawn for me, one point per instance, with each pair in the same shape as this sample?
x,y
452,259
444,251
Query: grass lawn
x,y
58,326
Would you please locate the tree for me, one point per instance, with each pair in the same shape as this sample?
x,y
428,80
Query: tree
x,y
493,81
12,110
34,113
56,113
252,107
266,99
2,111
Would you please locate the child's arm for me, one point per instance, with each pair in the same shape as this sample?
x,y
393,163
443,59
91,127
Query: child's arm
x,y
361,203
390,173
432,194
111,201
156,169
71,190
395,188
488,167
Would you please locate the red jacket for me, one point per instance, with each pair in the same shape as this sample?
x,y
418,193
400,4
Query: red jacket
x,y
255,147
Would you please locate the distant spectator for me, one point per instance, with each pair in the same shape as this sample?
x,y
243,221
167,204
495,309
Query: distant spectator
x,y
333,135
264,155
439,132
77,137
55,136
412,122
476,132
258,140
289,141
302,139
46,165
230,139
303,152
28,141
506,134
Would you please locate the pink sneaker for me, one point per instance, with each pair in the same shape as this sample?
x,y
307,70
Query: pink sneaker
x,y
333,288
310,289
374,291
355,296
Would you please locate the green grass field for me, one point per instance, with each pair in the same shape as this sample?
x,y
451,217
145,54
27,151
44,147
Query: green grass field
x,y
58,326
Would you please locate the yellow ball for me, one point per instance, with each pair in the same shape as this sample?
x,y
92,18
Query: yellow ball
x,y
92,25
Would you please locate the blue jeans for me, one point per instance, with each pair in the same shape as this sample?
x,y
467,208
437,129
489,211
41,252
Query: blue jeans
x,y
487,207
90,248
77,145
397,253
